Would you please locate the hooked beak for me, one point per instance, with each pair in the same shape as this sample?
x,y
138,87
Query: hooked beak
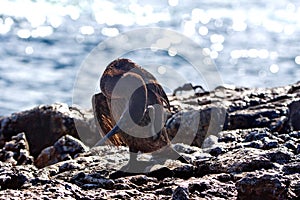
x,y
113,131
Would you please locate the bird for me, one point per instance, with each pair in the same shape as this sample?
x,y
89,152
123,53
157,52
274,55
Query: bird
x,y
187,87
130,111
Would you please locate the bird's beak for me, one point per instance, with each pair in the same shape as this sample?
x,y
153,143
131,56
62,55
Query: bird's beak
x,y
113,131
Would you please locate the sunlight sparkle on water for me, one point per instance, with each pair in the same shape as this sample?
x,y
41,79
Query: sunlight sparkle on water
x,y
24,33
189,28
29,50
216,38
252,53
87,30
42,31
173,2
203,30
297,60
5,25
108,13
161,70
274,68
172,51
199,15
111,32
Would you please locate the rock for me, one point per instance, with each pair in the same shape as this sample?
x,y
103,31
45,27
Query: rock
x,y
66,148
95,180
294,116
266,186
16,151
241,108
246,145
280,156
258,117
291,168
43,125
193,126
238,160
208,187
180,193
15,177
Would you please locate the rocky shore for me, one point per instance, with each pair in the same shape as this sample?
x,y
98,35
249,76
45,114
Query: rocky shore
x,y
240,143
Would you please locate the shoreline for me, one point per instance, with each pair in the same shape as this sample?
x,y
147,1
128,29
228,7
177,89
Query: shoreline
x,y
246,144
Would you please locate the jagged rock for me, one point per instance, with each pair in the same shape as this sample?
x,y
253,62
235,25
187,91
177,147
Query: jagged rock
x,y
45,124
193,126
16,151
262,186
227,108
256,157
209,187
294,121
180,193
15,177
66,148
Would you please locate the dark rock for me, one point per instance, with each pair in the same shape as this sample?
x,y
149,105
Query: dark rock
x,y
44,125
16,151
89,181
249,141
180,193
280,156
15,177
294,117
65,148
141,179
295,134
269,144
209,187
217,151
291,168
257,134
266,186
291,145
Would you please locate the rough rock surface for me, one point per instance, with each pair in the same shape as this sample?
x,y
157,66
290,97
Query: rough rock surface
x,y
65,148
16,151
251,151
45,124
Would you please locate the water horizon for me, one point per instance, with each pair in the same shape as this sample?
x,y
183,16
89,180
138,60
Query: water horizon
x,y
44,43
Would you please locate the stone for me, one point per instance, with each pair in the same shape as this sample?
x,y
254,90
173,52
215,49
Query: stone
x,y
180,193
266,186
66,148
193,126
294,117
245,145
16,151
45,124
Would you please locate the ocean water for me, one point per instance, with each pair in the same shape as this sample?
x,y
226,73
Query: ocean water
x,y
45,43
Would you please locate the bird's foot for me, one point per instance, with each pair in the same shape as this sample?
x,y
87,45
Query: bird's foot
x,y
133,167
168,153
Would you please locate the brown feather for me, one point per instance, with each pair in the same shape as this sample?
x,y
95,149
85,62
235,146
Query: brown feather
x,y
155,95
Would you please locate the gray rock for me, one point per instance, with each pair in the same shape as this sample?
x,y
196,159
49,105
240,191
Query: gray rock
x,y
251,151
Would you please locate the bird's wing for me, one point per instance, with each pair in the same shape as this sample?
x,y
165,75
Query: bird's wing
x,y
103,118
159,92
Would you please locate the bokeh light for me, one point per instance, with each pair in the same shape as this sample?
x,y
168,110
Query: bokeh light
x,y
258,41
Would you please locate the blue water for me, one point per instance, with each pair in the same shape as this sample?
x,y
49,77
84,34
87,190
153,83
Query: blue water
x,y
44,43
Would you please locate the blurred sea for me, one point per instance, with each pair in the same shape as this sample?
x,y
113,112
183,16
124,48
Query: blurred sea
x,y
44,42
